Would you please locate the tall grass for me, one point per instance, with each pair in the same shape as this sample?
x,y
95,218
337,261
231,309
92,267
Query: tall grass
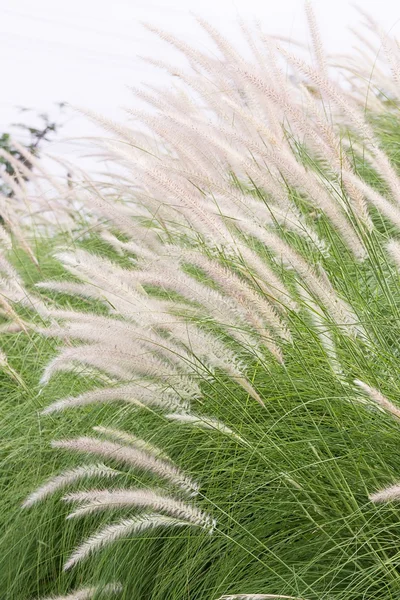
x,y
209,341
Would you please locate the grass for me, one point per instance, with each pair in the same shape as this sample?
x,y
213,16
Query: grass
x,y
290,490
291,503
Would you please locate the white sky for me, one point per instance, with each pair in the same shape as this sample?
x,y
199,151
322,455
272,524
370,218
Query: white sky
x,y
85,51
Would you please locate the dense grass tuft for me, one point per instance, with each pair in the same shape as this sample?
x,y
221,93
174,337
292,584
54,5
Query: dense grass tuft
x,y
200,350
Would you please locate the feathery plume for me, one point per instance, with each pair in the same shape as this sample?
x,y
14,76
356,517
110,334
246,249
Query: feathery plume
x,y
139,394
389,494
111,533
132,440
316,38
379,398
394,250
130,456
68,478
97,500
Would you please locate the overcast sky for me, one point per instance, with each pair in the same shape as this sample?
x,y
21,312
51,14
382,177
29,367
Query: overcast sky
x,y
85,52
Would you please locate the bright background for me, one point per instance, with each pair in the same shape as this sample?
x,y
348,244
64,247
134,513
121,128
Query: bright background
x,y
85,51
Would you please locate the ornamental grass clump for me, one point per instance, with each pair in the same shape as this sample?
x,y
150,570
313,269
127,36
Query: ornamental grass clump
x,y
223,313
